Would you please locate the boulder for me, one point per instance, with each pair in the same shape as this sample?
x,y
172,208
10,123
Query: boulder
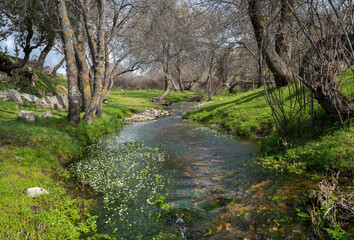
x,y
48,114
62,100
36,191
3,94
53,102
29,98
14,95
42,103
27,115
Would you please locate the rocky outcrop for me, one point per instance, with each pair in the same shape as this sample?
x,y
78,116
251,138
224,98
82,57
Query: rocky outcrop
x,y
148,115
58,101
27,115
36,191
55,102
14,95
48,114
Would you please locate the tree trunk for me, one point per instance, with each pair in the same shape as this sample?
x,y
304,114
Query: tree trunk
x,y
179,69
8,67
44,53
56,67
83,75
71,71
98,58
282,39
313,73
276,64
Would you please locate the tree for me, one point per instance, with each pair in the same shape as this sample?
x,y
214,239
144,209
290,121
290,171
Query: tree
x,y
29,26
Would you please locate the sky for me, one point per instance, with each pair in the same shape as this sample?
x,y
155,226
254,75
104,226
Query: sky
x,y
51,60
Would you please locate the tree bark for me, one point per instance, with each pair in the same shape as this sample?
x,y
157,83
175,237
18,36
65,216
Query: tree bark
x,y
27,49
71,71
323,85
275,63
56,67
83,75
98,61
44,53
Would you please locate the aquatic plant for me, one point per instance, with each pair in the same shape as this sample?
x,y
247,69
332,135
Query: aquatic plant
x,y
131,190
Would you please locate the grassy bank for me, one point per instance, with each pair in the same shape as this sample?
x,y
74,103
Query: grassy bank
x,y
37,155
313,149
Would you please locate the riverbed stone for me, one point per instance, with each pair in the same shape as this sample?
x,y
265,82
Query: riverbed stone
x,y
148,115
27,115
14,95
36,191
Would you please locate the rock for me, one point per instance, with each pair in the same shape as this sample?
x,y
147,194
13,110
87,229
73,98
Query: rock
x,y
14,95
59,101
36,191
27,115
33,80
29,98
47,70
63,100
41,92
48,114
148,115
42,103
3,94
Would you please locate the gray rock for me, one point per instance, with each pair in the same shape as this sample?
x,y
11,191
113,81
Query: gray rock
x,y
148,115
48,114
36,191
29,98
42,103
3,94
14,95
62,100
27,115
55,102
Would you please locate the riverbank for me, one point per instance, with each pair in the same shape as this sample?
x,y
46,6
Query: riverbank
x,y
37,154
322,151
313,149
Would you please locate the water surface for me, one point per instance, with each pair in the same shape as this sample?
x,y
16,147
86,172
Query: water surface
x,y
216,191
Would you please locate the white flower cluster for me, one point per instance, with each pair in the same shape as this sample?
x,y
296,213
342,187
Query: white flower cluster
x,y
126,175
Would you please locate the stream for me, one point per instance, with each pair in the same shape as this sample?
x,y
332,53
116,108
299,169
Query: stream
x,y
208,188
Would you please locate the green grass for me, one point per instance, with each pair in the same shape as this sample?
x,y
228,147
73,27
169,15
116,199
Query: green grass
x,y
244,114
314,149
36,155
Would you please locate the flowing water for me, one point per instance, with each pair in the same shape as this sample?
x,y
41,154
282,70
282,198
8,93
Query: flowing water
x,y
215,189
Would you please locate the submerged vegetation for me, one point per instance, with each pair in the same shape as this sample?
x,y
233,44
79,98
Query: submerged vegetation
x,y
131,190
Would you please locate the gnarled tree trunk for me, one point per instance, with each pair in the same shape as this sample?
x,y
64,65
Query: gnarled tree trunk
x,y
318,71
276,63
